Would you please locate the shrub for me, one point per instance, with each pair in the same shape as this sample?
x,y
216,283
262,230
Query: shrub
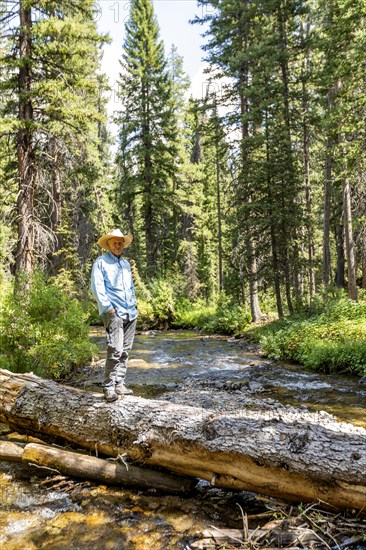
x,y
229,318
145,319
334,340
225,317
43,330
162,302
193,314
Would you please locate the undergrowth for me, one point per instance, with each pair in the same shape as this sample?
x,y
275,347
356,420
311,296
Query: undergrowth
x,y
166,309
331,340
43,329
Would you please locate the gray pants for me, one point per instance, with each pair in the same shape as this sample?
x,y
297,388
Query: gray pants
x,y
120,334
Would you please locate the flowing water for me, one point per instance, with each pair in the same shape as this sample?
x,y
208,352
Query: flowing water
x,y
162,361
37,511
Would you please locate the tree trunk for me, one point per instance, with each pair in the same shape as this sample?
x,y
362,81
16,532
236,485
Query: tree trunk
x,y
305,31
289,245
150,238
327,265
56,207
308,198
218,193
339,274
253,281
90,467
271,449
286,269
250,238
350,246
276,271
24,258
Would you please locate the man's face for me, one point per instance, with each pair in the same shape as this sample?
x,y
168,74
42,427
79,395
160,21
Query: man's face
x,y
116,246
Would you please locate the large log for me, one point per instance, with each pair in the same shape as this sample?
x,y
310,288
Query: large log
x,y
278,451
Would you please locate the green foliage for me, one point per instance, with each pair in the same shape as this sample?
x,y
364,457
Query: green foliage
x,y
147,137
169,308
162,302
43,330
225,316
66,145
193,314
334,340
146,318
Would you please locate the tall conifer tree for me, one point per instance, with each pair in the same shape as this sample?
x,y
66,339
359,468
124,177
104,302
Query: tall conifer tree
x,y
252,44
49,112
148,133
341,77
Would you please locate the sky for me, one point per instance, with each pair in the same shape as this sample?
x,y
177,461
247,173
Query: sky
x,y
173,19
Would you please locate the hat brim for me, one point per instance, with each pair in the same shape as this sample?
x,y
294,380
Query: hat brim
x,y
103,241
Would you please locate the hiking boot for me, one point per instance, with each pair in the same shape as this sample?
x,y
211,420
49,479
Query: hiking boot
x,y
109,394
121,389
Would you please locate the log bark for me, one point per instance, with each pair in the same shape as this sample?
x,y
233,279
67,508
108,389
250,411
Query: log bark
x,y
273,450
83,466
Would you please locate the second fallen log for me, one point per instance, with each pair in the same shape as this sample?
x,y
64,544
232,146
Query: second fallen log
x,y
83,466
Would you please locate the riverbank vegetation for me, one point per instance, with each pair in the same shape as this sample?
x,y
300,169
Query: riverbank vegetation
x,y
247,204
43,330
330,339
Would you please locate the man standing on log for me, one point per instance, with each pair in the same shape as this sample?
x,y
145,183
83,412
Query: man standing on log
x,y
112,286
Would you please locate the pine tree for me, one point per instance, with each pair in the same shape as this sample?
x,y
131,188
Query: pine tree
x,y
229,34
215,160
189,205
258,46
50,112
148,134
180,85
341,77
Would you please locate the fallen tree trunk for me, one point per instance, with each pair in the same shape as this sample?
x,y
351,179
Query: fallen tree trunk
x,y
91,468
274,450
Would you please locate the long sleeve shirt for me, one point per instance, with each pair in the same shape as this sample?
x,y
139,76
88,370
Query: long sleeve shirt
x,y
112,286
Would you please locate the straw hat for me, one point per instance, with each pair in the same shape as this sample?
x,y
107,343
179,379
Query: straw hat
x,y
115,234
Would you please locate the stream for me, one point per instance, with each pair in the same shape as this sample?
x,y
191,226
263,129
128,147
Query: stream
x,y
42,511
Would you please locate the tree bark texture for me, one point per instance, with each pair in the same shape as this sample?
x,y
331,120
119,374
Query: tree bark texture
x,y
350,246
92,468
24,258
266,448
339,277
327,263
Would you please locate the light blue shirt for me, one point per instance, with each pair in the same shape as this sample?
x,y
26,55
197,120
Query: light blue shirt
x,y
112,286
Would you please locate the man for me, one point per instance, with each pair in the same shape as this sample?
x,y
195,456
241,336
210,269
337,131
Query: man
x,y
112,286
